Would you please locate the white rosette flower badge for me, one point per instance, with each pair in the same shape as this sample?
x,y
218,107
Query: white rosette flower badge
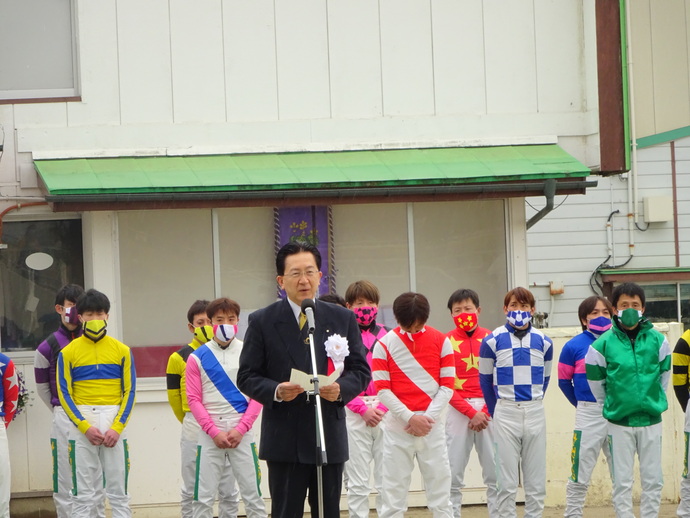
x,y
337,350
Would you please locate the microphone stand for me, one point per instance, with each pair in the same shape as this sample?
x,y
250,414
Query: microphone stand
x,y
321,458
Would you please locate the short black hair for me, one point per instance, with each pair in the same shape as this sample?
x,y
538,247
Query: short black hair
x,y
333,298
93,300
70,292
411,308
195,309
463,294
295,248
627,288
588,305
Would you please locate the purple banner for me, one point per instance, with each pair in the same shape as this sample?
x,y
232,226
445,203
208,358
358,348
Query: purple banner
x,y
306,225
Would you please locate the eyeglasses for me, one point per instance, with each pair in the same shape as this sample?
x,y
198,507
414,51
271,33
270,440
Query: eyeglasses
x,y
309,274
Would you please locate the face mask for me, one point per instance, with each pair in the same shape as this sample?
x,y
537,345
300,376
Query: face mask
x,y
466,321
630,317
224,332
519,319
415,336
598,326
70,316
95,329
203,334
365,315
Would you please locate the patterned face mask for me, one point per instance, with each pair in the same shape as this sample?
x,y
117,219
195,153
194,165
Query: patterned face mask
x,y
466,321
95,329
224,332
519,319
598,326
203,334
70,316
365,315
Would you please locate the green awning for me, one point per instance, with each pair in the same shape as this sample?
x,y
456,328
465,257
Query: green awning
x,y
271,175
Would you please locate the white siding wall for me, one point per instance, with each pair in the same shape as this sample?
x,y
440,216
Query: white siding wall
x,y
231,76
570,242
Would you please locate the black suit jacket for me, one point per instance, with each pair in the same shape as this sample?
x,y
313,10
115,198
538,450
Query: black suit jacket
x,y
273,345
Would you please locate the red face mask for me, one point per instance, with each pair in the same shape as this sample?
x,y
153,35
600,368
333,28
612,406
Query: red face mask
x,y
466,321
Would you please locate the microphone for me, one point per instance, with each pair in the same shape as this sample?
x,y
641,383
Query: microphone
x,y
308,307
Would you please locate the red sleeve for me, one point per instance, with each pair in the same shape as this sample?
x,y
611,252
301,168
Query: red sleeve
x,y
460,404
10,387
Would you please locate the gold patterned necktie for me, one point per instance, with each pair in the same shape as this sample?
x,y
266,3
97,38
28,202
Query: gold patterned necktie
x,y
302,320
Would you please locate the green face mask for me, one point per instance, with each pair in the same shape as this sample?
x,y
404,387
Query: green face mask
x,y
630,317
95,329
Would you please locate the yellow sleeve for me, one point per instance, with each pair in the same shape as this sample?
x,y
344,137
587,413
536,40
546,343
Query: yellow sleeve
x,y
173,378
129,386
64,386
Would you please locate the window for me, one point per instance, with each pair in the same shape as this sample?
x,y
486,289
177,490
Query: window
x,y
40,258
668,303
38,58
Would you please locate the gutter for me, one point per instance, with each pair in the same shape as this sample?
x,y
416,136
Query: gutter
x,y
333,193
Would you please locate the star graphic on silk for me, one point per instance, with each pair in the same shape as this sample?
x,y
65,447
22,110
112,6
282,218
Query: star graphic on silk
x,y
456,344
472,362
13,381
459,383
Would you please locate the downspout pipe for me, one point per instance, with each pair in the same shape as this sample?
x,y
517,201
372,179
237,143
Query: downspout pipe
x,y
549,193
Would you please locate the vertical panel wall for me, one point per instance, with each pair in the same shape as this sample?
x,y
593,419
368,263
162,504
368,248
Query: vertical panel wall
x,y
247,257
371,243
232,76
355,57
461,245
197,61
249,51
165,264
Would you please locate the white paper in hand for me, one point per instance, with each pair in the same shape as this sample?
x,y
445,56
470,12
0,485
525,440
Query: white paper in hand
x,y
304,380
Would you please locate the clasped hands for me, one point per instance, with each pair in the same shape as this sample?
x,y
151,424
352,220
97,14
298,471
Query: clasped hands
x,y
95,437
479,422
229,439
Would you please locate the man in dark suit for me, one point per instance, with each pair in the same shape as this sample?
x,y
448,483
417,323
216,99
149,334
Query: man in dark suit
x,y
273,345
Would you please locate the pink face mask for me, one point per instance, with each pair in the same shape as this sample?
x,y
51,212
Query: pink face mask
x,y
365,315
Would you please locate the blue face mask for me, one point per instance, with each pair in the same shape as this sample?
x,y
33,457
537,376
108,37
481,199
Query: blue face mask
x,y
598,326
519,319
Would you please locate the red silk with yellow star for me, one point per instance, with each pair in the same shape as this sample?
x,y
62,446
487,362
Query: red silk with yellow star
x,y
466,354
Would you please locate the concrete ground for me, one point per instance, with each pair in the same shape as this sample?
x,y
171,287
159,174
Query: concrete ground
x,y
479,511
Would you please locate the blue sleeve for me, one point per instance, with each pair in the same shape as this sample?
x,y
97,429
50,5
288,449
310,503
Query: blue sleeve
x,y
566,362
486,377
568,390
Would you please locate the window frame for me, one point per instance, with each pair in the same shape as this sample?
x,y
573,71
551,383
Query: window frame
x,y
52,95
